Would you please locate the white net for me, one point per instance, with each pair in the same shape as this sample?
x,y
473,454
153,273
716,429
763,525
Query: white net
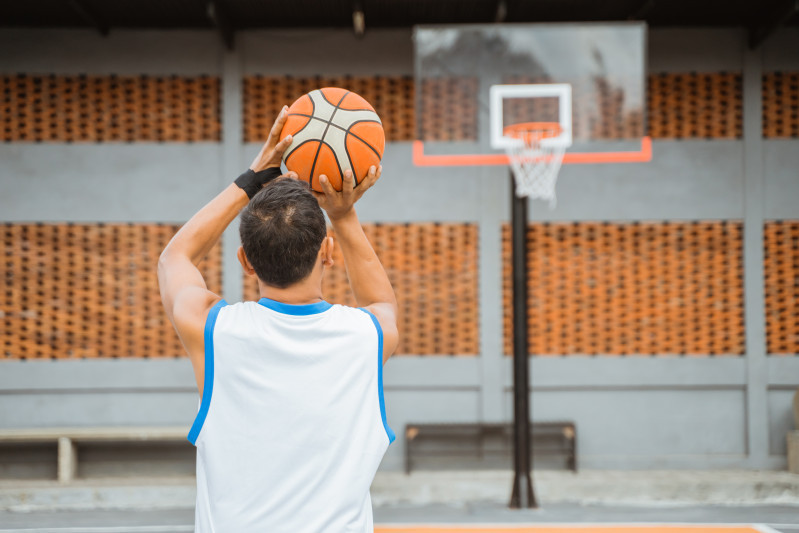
x,y
535,160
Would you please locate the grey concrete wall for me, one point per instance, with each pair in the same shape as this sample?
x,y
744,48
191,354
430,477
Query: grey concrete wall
x,y
713,412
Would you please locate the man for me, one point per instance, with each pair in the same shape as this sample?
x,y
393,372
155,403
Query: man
x,y
291,426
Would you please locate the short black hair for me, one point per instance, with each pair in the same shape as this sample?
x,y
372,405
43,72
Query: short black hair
x,y
281,231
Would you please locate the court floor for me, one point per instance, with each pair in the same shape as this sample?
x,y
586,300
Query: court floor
x,y
468,518
581,528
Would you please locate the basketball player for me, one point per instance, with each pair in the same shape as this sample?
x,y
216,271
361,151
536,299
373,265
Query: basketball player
x,y
291,426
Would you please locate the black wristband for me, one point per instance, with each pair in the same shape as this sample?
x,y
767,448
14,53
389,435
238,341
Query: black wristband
x,y
251,181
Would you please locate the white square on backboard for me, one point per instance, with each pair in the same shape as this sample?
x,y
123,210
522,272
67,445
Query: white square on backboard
x,y
562,91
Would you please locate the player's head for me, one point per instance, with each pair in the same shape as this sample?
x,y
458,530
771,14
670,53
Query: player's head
x,y
282,229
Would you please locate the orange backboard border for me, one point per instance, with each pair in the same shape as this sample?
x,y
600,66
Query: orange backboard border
x,y
420,159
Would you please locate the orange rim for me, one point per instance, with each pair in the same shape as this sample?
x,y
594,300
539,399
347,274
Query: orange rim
x,y
533,130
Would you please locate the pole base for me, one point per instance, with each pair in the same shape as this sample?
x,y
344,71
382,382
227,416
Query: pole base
x,y
522,496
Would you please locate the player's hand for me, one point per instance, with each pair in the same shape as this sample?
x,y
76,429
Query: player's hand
x,y
271,154
338,204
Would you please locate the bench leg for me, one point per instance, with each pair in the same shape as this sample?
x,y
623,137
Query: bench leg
x,y
67,460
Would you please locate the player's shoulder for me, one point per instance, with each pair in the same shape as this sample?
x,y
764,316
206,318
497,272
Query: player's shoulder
x,y
357,316
192,305
359,312
236,310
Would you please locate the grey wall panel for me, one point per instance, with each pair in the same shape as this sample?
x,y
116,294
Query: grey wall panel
x,y
783,371
780,418
432,372
631,372
325,52
412,406
648,423
142,182
124,52
781,178
97,374
695,49
98,408
685,180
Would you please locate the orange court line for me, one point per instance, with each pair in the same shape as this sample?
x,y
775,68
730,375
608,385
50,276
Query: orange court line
x,y
420,159
569,529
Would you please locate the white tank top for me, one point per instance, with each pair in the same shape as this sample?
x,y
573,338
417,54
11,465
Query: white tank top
x,y
292,424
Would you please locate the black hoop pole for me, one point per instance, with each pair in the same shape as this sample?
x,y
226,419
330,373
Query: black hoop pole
x,y
522,496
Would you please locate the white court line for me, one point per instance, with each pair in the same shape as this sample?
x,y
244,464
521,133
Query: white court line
x,y
119,529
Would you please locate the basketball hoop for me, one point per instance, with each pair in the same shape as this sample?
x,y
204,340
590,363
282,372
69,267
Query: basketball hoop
x,y
535,158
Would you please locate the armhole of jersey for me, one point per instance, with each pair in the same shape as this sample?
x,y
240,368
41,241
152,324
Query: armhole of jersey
x,y
208,380
389,431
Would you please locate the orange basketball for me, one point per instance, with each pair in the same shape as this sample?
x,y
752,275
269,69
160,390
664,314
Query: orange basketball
x,y
334,130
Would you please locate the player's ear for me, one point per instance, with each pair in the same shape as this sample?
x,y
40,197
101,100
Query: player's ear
x,y
326,251
245,263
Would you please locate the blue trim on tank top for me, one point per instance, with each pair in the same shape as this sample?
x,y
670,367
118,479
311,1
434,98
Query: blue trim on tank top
x,y
389,431
208,381
296,310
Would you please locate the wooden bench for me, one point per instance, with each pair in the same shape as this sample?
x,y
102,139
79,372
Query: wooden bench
x,y
547,438
67,438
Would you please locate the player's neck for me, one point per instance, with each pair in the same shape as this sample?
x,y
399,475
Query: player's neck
x,y
307,291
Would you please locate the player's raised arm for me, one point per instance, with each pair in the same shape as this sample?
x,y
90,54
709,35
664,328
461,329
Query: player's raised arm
x,y
184,294
370,284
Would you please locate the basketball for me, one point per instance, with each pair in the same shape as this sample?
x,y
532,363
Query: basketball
x,y
334,130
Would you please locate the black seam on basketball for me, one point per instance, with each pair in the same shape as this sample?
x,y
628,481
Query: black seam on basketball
x,y
305,115
287,155
348,132
348,92
329,121
345,130
313,108
301,144
340,171
325,97
303,126
352,166
349,158
342,128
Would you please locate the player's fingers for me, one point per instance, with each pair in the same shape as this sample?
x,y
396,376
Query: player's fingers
x,y
291,174
371,177
348,182
378,173
282,146
365,183
326,186
277,127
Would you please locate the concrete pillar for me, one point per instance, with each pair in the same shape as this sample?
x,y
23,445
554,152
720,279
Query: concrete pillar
x,y
232,287
757,434
490,307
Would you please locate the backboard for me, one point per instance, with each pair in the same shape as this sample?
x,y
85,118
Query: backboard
x,y
474,81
